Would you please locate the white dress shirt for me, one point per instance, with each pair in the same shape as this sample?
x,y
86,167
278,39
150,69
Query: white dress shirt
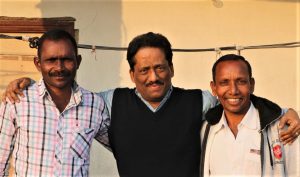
x,y
237,156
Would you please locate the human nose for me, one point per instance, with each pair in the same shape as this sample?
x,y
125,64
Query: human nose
x,y
233,88
60,64
153,75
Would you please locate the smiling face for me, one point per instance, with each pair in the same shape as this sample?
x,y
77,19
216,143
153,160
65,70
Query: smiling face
x,y
233,87
152,74
58,64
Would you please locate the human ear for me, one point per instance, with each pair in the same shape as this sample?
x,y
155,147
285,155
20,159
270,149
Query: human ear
x,y
213,88
252,84
131,73
37,63
78,58
172,70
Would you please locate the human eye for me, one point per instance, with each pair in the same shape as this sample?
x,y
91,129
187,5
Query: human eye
x,y
242,81
50,60
67,59
143,71
160,68
223,82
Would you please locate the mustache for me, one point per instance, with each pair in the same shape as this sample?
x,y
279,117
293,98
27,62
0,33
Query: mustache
x,y
62,73
158,82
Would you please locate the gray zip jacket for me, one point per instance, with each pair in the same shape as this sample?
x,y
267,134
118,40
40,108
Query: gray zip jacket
x,y
277,160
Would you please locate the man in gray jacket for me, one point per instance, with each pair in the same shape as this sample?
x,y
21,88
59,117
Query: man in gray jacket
x,y
241,136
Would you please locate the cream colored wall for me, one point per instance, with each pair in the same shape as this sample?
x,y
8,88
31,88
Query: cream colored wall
x,y
16,63
187,24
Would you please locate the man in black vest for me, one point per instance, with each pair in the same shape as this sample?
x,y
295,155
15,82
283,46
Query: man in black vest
x,y
155,127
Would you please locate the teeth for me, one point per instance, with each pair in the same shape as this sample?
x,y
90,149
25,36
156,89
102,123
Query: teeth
x,y
233,100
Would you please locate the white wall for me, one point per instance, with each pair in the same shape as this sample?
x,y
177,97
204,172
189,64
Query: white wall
x,y
187,24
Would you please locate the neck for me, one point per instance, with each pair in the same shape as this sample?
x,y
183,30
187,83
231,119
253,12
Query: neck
x,y
234,118
233,121
61,97
154,104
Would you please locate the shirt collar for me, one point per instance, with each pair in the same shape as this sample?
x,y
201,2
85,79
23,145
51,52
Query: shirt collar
x,y
222,123
75,97
166,97
250,120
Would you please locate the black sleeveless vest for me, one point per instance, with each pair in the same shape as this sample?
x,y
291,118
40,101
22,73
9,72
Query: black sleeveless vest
x,y
161,144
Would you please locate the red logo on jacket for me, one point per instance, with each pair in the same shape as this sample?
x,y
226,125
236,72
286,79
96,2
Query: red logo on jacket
x,y
277,151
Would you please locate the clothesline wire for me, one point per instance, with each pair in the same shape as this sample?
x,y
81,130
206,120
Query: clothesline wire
x,y
33,42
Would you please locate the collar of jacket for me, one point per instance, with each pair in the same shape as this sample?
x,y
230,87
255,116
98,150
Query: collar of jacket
x,y
268,111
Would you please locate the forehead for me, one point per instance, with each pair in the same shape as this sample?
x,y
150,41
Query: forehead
x,y
57,47
228,68
150,55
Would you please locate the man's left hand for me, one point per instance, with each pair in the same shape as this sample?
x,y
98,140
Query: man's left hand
x,y
290,118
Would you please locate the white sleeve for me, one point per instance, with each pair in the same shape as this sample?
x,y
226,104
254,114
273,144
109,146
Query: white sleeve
x,y
107,96
209,101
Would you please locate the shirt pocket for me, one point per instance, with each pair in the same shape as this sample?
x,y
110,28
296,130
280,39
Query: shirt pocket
x,y
82,141
252,163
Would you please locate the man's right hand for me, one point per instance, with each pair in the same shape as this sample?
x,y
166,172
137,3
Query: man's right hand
x,y
15,88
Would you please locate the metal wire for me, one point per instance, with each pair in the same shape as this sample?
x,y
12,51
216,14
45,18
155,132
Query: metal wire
x,y
33,43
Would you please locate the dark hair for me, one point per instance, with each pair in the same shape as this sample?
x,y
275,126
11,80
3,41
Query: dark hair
x,y
231,57
56,35
149,39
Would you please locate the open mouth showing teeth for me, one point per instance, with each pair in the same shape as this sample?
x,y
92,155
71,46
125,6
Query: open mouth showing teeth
x,y
234,100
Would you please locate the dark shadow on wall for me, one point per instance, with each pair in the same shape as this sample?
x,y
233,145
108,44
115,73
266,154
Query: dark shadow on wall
x,y
98,23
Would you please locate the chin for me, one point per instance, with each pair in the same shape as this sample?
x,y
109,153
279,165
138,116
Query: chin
x,y
238,111
233,110
156,98
61,85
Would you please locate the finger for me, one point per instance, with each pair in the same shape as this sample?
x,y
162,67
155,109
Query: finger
x,y
289,141
285,138
10,98
290,138
18,91
297,129
24,83
16,88
3,97
13,97
289,131
283,121
19,86
13,90
284,135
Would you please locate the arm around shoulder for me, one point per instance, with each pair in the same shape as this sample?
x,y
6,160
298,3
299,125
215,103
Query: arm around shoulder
x,y
15,88
209,101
